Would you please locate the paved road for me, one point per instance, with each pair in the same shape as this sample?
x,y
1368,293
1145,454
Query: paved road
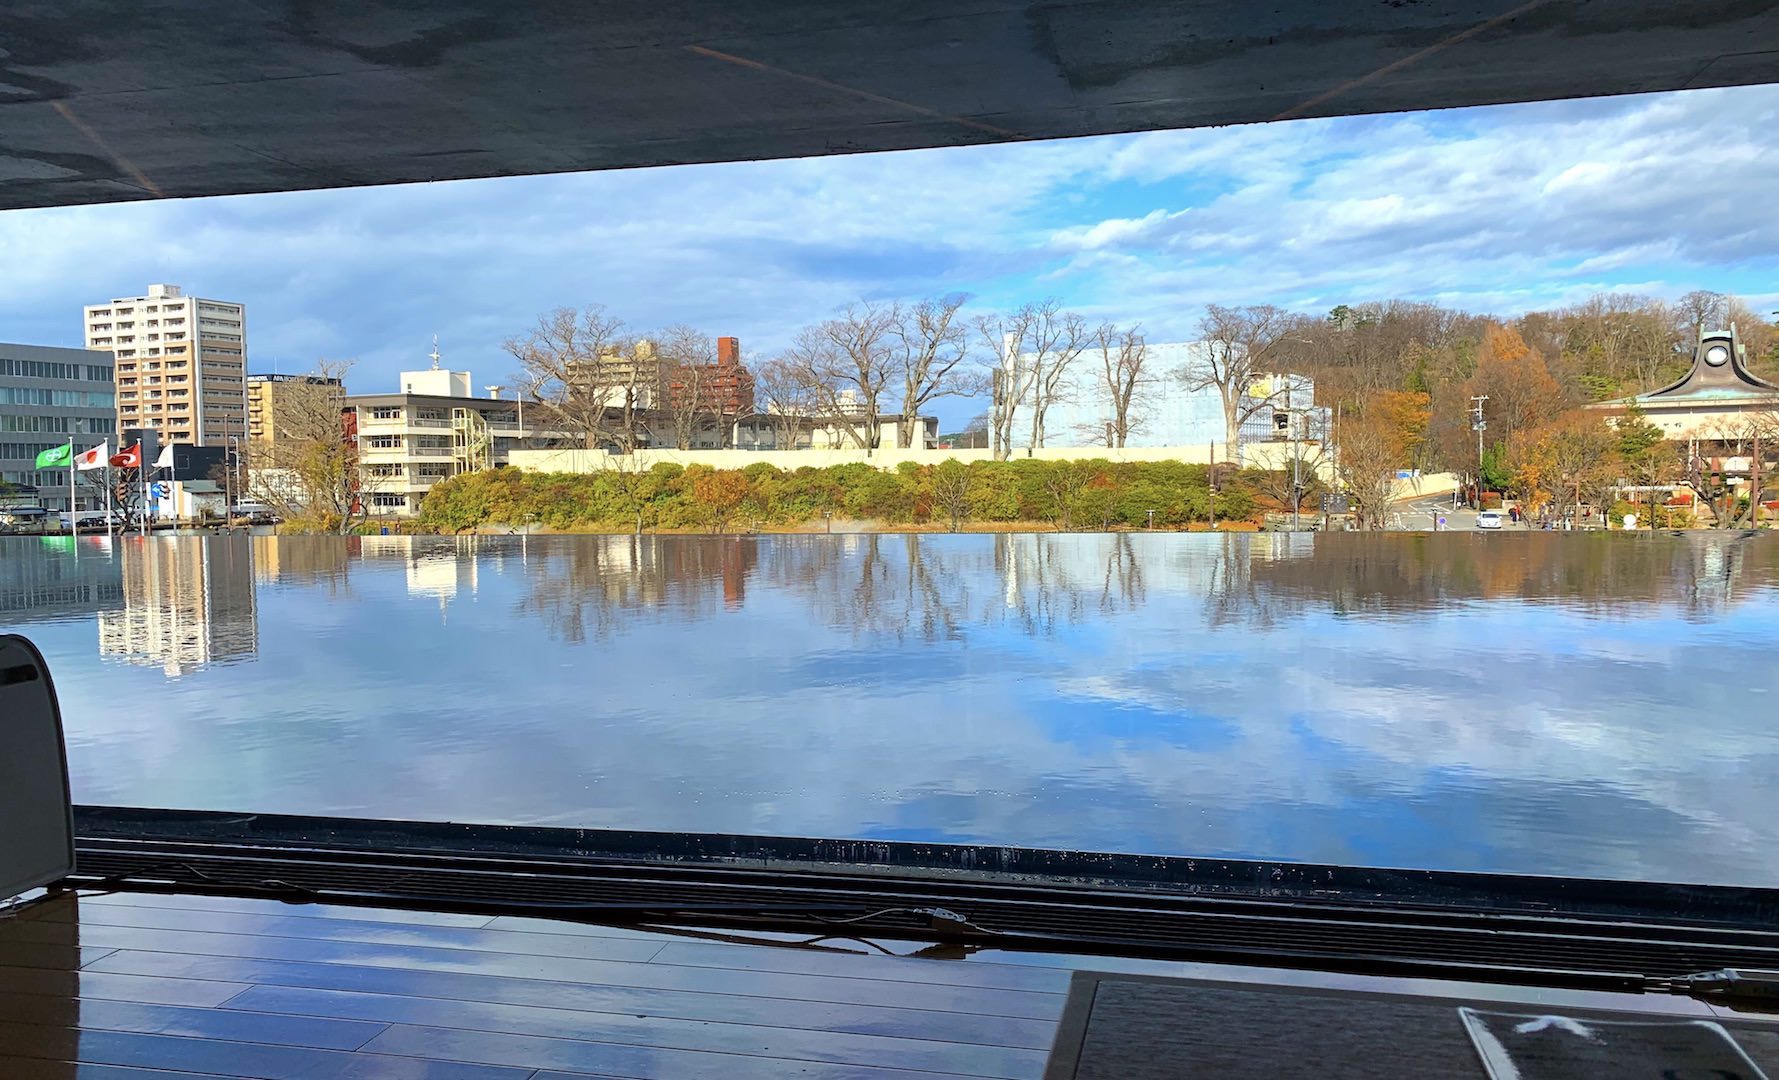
x,y
1419,514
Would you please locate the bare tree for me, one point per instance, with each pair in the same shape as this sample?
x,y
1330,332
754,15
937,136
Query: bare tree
x,y
582,378
1367,466
1009,374
950,483
1034,347
687,357
308,466
1057,340
930,346
1299,475
784,394
1699,311
1124,379
1239,345
845,363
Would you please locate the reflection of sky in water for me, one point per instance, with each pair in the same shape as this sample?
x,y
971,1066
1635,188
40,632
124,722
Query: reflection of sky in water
x,y
1578,705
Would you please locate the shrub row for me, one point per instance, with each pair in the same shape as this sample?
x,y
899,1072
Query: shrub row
x,y
1093,494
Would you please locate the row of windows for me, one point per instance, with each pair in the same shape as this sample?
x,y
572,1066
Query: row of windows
x,y
49,369
59,425
389,502
71,399
28,451
43,478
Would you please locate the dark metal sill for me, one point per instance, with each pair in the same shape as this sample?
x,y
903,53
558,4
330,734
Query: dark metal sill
x,y
1484,927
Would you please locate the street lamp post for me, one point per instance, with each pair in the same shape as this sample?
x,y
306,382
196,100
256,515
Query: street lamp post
x,y
232,450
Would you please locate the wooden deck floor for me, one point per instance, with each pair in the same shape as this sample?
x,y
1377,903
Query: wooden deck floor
x,y
142,985
129,983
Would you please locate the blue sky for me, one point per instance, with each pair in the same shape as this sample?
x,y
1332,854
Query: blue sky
x,y
1501,209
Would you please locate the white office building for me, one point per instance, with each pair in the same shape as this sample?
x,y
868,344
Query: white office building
x,y
433,428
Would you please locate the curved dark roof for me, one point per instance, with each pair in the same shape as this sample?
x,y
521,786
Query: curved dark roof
x,y
1727,380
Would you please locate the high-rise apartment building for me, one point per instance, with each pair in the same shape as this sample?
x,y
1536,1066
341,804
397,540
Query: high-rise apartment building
x,y
181,363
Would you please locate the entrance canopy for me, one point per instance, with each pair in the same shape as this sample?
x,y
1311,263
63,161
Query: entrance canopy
x,y
101,103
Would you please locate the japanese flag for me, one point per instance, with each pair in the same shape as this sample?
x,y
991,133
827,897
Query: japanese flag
x,y
96,458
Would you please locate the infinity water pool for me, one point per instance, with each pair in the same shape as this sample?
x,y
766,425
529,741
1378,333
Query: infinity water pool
x,y
1601,705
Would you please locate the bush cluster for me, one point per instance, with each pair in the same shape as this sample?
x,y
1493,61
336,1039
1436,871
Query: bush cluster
x,y
1082,494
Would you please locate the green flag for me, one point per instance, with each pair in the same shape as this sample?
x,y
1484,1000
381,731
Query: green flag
x,y
56,455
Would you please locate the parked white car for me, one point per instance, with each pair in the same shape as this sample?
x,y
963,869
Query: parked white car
x,y
1491,519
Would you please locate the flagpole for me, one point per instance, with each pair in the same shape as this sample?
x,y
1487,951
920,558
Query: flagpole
x,y
73,502
108,482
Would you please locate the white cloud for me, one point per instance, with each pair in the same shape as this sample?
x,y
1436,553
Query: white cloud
x,y
1504,209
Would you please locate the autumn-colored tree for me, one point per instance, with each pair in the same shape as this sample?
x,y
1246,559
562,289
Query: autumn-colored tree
x,y
1566,463
720,493
1518,384
1401,416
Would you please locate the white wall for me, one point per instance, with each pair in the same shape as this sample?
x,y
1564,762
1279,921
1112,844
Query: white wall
x,y
582,461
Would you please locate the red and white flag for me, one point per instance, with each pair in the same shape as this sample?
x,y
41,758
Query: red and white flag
x,y
96,458
130,457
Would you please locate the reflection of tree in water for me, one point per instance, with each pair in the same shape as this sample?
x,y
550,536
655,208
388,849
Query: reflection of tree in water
x,y
1596,572
585,587
910,587
937,588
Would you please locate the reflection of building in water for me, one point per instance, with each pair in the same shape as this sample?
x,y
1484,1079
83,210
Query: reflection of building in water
x,y
688,566
304,559
439,567
42,579
584,587
187,602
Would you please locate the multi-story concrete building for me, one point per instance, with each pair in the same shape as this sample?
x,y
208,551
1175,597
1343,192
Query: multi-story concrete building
x,y
629,376
47,396
265,392
181,363
433,429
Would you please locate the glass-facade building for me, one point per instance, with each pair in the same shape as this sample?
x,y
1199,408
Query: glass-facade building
x,y
47,396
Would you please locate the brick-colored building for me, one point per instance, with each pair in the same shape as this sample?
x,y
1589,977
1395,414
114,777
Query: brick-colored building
x,y
725,387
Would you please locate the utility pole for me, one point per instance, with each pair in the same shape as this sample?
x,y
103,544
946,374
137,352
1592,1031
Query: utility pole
x,y
1478,425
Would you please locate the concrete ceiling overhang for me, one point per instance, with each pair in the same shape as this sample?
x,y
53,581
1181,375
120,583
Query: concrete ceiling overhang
x,y
103,102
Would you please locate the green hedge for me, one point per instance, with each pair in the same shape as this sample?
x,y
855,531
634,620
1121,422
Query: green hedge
x,y
1086,494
